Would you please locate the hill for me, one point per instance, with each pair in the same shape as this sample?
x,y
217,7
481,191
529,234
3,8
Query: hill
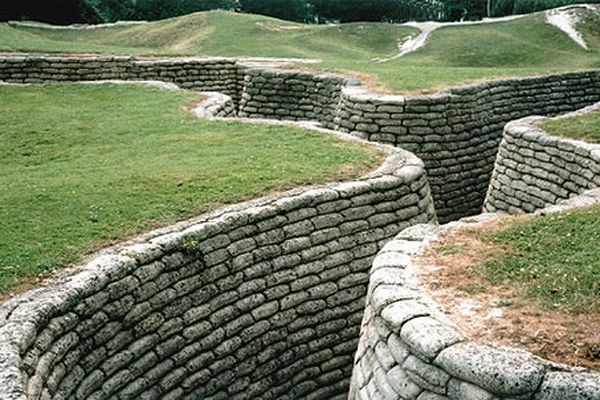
x,y
453,53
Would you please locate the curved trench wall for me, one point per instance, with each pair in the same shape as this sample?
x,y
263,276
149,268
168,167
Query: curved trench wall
x,y
216,105
290,95
456,132
534,170
263,300
205,74
408,349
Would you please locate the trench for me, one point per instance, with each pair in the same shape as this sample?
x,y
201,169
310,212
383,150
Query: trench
x,y
264,300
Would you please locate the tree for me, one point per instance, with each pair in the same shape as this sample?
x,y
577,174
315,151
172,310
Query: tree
x,y
528,6
501,8
98,11
53,11
292,10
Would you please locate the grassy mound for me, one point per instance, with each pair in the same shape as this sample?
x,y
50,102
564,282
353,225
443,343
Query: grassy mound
x,y
553,259
453,54
220,33
585,127
527,42
556,258
96,163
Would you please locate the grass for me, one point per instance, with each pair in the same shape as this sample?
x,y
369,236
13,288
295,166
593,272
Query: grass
x,y
585,127
453,54
524,43
85,165
555,258
14,39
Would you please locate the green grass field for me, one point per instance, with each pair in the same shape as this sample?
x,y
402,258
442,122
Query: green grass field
x,y
452,55
556,258
85,165
586,127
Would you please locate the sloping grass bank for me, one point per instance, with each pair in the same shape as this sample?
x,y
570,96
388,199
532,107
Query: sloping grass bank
x,y
585,127
85,165
452,55
531,282
555,258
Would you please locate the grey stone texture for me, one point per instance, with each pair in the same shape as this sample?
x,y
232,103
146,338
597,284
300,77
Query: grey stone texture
x,y
409,350
216,105
570,386
534,170
290,95
456,131
501,371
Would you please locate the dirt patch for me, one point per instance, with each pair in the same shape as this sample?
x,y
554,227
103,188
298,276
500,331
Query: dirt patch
x,y
501,313
191,105
192,40
275,27
25,284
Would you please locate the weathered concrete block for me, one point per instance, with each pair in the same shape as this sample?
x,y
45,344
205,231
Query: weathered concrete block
x,y
569,386
504,371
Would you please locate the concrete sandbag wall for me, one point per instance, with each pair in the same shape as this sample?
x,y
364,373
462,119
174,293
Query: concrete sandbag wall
x,y
409,349
456,132
534,170
290,95
203,74
263,300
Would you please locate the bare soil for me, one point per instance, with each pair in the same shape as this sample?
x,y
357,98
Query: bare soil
x,y
500,313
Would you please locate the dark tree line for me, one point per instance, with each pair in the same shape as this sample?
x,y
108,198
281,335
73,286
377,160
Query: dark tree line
x,y
99,11
510,7
312,11
56,11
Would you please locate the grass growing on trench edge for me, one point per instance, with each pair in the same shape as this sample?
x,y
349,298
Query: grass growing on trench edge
x,y
86,165
585,127
554,258
452,55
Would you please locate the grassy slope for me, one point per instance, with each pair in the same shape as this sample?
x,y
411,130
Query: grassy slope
x,y
220,33
453,54
519,47
590,28
555,257
97,163
586,127
522,43
15,39
172,36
